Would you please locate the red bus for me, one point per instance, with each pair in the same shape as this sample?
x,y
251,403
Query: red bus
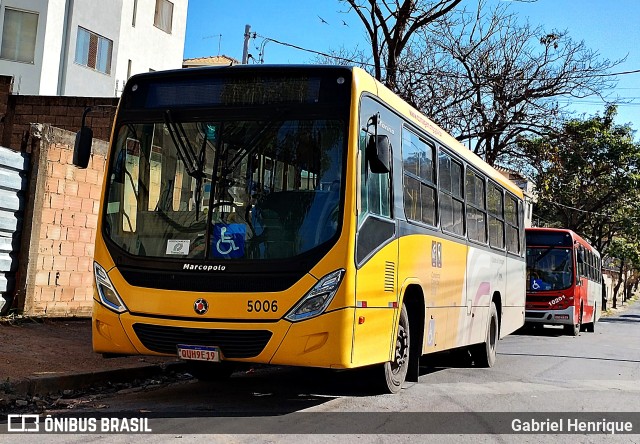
x,y
564,280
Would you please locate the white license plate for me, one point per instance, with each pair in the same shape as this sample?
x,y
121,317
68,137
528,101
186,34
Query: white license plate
x,y
199,353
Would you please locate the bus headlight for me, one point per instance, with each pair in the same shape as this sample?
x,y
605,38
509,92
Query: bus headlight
x,y
107,292
317,299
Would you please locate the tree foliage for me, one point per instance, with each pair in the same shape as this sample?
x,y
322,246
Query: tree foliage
x,y
626,251
588,177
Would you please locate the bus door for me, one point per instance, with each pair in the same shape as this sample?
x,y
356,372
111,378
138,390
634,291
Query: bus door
x,y
376,252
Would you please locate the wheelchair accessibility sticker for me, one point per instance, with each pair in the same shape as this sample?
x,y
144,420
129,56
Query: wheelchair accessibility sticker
x,y
228,240
539,284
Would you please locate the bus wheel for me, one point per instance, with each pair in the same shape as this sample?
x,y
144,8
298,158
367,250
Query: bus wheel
x,y
210,371
484,355
574,329
591,326
395,372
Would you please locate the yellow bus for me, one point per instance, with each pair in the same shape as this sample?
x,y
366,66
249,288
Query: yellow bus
x,y
298,215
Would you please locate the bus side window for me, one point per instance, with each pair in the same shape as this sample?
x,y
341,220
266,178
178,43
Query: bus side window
x,y
375,188
580,260
419,175
476,207
451,194
496,216
511,218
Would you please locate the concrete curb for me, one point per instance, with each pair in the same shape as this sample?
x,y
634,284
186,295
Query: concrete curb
x,y
52,385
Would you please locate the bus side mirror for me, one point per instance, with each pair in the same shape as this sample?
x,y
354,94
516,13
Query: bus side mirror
x,y
580,257
379,154
82,147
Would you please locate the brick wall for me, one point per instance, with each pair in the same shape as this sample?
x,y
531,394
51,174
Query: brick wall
x,y
63,210
17,113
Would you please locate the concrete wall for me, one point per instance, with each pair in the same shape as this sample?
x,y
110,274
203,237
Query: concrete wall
x,y
148,47
57,265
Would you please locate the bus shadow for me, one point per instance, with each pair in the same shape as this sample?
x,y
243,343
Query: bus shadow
x,y
295,388
539,330
621,318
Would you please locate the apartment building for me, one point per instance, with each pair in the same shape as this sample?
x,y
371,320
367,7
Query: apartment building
x,y
88,47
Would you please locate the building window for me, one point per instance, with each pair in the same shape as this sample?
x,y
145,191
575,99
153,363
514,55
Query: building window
x,y
93,51
19,35
164,15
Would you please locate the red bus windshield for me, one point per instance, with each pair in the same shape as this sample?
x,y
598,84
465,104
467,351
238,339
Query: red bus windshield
x,y
549,268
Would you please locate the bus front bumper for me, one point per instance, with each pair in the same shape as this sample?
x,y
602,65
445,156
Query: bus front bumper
x,y
551,317
324,341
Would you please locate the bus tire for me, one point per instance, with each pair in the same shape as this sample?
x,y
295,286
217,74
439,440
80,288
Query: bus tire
x,y
591,326
574,329
394,372
484,354
210,371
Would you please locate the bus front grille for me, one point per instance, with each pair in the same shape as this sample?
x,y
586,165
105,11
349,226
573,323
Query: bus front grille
x,y
232,343
534,314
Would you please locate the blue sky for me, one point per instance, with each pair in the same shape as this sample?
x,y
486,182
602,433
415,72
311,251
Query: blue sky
x,y
611,27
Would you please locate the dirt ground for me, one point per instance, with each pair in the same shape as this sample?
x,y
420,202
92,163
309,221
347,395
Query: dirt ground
x,y
49,347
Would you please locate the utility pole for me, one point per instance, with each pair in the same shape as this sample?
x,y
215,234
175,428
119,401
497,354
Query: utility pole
x,y
245,52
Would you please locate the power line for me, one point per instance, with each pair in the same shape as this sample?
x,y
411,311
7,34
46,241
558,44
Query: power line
x,y
596,213
333,56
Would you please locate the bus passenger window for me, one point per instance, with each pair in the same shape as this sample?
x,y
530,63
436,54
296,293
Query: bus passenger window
x,y
375,188
476,207
451,194
418,161
496,217
511,219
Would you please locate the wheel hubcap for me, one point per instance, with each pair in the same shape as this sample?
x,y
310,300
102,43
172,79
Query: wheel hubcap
x,y
402,348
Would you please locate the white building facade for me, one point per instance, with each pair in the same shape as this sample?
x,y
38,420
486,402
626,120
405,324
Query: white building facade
x,y
88,47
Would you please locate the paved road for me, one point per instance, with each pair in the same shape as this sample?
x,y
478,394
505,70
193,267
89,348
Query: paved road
x,y
540,375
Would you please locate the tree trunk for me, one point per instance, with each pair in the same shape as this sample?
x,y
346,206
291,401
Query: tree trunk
x,y
617,287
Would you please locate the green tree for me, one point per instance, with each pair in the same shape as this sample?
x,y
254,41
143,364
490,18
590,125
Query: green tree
x,y
587,177
627,264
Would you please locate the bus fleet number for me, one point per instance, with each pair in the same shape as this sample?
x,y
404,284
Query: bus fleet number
x,y
264,306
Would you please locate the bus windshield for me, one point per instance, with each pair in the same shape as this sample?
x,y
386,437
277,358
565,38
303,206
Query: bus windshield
x,y
549,268
225,189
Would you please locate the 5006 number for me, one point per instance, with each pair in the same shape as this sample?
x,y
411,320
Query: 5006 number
x,y
262,306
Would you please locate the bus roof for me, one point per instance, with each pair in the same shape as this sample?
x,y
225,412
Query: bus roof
x,y
575,236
